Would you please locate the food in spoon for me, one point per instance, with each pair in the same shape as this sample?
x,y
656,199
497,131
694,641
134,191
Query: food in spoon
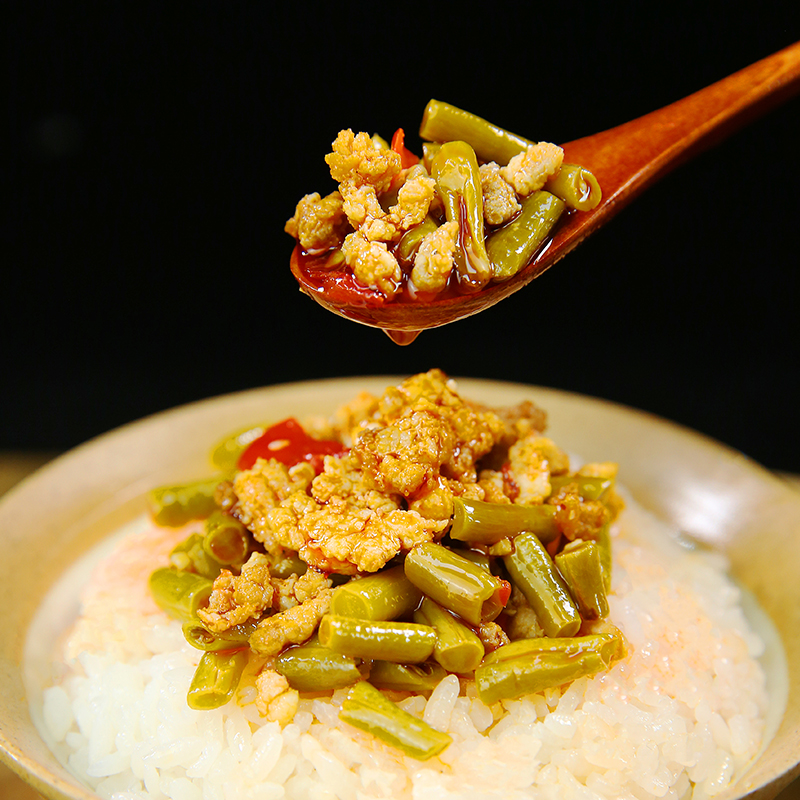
x,y
419,595
473,210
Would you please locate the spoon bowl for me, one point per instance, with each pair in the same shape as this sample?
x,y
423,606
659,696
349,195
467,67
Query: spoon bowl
x,y
625,160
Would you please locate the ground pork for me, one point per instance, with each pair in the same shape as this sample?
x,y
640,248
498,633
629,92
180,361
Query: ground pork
x,y
318,223
372,263
433,261
238,598
293,626
529,171
499,198
355,159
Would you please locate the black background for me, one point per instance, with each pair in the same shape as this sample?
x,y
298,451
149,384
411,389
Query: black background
x,y
156,150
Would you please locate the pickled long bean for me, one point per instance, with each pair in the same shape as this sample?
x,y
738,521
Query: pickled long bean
x,y
534,572
511,247
179,593
174,506
456,582
215,679
458,648
579,563
458,182
487,523
416,678
367,709
383,596
314,668
508,680
405,642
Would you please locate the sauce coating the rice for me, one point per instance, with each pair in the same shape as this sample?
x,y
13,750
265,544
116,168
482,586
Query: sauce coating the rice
x,y
680,716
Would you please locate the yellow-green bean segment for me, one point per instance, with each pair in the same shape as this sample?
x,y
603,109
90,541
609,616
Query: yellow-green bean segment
x,y
579,563
225,455
442,122
604,549
410,241
190,556
534,573
197,635
416,678
509,680
606,645
589,488
455,582
314,668
576,186
215,679
382,596
367,709
487,523
179,593
174,506
511,247
458,183
458,648
404,642
226,539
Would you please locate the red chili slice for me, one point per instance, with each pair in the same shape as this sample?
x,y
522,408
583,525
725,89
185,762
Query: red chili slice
x,y
287,442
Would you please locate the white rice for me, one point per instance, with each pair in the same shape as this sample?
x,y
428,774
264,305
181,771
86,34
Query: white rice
x,y
680,717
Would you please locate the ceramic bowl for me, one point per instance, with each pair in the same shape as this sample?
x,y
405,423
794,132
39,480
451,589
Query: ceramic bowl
x,y
707,490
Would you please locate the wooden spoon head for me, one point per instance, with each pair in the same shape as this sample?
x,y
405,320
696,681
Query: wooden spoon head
x,y
402,317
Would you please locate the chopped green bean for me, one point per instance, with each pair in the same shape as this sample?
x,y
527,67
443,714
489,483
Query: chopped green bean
x,y
405,642
456,583
215,679
197,635
411,240
458,648
382,596
367,709
604,548
416,678
533,571
179,593
579,563
225,455
511,247
589,488
190,556
606,645
488,523
509,680
576,186
174,506
458,183
226,540
314,668
478,558
442,122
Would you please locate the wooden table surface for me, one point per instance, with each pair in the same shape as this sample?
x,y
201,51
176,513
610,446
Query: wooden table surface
x,y
14,466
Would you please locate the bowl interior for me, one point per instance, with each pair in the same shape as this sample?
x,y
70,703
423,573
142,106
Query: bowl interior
x,y
703,488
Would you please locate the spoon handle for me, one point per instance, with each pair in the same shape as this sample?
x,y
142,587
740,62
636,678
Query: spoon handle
x,y
628,158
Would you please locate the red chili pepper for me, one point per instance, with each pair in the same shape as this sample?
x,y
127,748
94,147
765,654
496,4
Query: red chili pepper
x,y
407,158
504,592
288,443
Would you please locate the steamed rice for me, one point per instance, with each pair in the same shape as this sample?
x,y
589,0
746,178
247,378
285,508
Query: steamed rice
x,y
681,716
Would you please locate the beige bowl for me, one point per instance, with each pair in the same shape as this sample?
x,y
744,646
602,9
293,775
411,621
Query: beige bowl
x,y
707,490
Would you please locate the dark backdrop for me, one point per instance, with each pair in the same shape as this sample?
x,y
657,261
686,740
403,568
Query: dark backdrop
x,y
156,151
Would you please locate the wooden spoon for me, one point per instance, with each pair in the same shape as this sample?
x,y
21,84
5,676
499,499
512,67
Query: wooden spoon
x,y
625,160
